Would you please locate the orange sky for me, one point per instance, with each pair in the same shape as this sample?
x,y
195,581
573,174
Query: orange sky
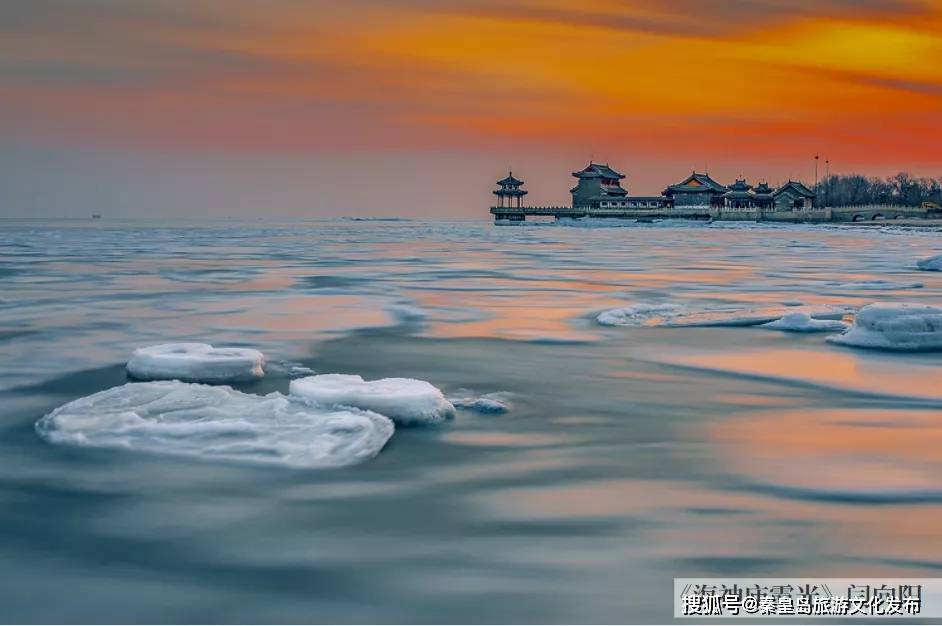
x,y
747,87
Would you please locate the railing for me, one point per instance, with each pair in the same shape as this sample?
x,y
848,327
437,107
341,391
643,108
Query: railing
x,y
535,210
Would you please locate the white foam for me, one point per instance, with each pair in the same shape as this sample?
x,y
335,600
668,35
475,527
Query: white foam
x,y
799,322
674,315
218,423
894,326
196,362
404,400
932,264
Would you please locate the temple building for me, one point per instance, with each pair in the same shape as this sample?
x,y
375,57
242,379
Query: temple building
x,y
599,187
793,196
597,184
763,196
696,190
509,192
739,196
599,193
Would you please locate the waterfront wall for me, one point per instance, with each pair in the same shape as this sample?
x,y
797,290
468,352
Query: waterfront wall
x,y
869,213
771,215
877,212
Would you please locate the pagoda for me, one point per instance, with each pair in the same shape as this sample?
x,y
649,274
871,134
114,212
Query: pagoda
x,y
739,196
597,183
763,197
509,190
696,190
795,196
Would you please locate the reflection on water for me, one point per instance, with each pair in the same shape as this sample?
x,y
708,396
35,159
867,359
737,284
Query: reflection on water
x,y
866,373
630,455
867,454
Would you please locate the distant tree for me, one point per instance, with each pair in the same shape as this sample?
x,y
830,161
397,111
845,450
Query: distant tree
x,y
854,189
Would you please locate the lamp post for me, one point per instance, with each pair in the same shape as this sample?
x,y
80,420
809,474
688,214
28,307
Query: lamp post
x,y
827,181
816,174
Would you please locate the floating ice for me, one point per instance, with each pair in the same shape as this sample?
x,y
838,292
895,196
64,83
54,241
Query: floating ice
x,y
196,362
932,264
905,327
404,400
291,369
874,285
491,403
803,323
640,314
218,423
407,313
647,314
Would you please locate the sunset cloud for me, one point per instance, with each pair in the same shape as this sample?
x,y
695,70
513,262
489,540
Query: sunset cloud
x,y
721,80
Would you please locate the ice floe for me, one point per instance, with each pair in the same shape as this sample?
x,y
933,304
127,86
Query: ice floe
x,y
407,313
894,326
640,314
218,423
491,403
404,400
874,285
196,362
675,315
799,322
932,264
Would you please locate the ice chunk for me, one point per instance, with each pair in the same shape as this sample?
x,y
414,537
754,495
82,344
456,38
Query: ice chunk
x,y
799,322
196,362
874,285
491,403
407,313
218,423
404,400
640,314
646,314
932,264
893,326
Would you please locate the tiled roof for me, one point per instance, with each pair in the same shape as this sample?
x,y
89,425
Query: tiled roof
x,y
597,169
702,183
510,181
796,186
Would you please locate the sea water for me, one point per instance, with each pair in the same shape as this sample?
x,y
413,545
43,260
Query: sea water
x,y
629,455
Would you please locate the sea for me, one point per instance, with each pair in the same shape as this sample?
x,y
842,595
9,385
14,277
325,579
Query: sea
x,y
629,455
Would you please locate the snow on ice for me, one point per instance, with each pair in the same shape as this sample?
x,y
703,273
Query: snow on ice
x,y
799,322
218,423
894,326
674,315
404,400
196,362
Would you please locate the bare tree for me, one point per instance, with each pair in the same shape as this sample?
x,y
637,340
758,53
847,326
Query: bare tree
x,y
903,188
